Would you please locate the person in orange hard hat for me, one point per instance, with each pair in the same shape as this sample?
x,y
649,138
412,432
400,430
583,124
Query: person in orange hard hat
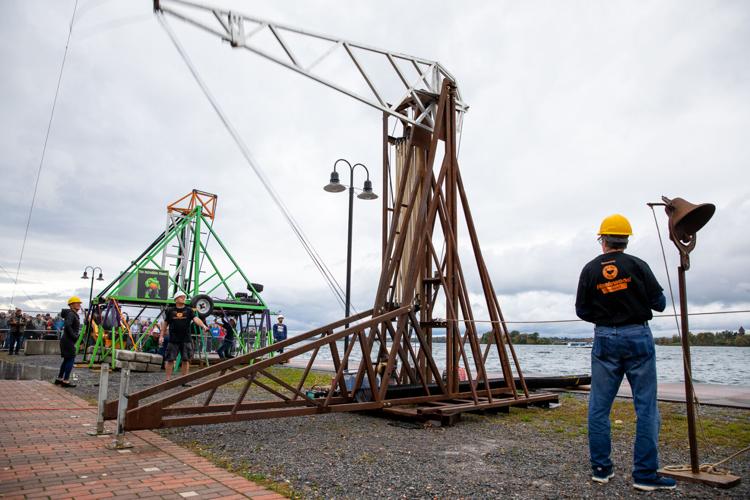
x,y
617,292
68,340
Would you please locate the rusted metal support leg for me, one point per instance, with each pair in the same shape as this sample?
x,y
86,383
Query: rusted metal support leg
x,y
122,407
103,386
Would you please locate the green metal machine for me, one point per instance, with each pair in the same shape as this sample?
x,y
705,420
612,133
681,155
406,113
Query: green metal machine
x,y
175,261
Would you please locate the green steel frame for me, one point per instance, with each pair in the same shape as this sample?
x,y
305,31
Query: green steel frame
x,y
191,284
190,230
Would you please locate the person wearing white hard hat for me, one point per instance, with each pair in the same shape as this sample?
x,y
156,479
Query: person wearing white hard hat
x,y
178,320
279,331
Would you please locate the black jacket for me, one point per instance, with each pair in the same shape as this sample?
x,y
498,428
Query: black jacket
x,y
228,330
618,289
70,333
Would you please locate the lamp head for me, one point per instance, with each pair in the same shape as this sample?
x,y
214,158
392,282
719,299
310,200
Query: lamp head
x,y
101,277
367,193
85,275
334,185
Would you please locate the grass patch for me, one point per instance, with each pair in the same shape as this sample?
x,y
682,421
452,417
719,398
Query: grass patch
x,y
244,469
291,376
723,428
89,399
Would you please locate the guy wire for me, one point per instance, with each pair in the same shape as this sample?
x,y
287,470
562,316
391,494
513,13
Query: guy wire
x,y
307,245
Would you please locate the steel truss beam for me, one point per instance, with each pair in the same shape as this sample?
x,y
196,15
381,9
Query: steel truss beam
x,y
383,336
419,77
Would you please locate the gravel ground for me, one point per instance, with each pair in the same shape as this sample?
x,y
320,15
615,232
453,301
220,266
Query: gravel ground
x,y
360,456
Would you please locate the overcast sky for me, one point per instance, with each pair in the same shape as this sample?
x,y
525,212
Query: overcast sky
x,y
578,110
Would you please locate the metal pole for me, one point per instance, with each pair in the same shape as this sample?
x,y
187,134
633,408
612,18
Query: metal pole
x,y
349,262
103,386
386,176
89,317
694,466
122,407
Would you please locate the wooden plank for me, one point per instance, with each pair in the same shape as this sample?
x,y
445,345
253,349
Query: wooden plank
x,y
722,481
497,403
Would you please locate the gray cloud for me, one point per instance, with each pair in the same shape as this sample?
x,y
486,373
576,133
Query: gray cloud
x,y
578,111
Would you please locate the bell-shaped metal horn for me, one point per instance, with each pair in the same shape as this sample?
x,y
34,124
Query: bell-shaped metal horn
x,y
685,219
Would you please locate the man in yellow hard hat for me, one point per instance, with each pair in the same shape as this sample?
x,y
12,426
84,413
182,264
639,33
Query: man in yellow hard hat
x,y
617,292
68,339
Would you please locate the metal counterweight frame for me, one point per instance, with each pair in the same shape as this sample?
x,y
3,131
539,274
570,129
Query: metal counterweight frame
x,y
414,280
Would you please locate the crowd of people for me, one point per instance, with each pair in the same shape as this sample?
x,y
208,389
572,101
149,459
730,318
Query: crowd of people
x,y
16,326
28,326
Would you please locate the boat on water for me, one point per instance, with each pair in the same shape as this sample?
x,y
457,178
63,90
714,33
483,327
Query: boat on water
x,y
585,345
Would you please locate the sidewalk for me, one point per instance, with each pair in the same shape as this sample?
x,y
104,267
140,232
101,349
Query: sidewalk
x,y
729,396
46,453
732,396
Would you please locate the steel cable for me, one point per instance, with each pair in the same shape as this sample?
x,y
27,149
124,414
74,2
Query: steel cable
x,y
306,244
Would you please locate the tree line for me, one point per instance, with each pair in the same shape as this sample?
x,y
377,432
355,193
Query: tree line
x,y
724,338
519,338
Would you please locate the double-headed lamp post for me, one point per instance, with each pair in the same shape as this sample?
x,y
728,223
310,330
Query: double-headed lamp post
x,y
89,313
335,186
93,273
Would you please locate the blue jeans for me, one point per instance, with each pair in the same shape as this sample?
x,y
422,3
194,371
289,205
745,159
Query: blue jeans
x,y
16,341
66,367
225,350
629,351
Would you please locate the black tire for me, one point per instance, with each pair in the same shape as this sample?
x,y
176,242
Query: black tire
x,y
203,304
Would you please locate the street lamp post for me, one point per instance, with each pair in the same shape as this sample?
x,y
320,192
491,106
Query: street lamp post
x,y
89,313
335,186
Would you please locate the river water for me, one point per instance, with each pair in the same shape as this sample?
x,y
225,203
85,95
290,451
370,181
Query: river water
x,y
711,365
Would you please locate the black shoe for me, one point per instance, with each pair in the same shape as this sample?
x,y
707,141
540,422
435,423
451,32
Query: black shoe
x,y
660,483
602,474
67,384
58,381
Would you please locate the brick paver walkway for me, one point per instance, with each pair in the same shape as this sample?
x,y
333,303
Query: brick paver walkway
x,y
46,453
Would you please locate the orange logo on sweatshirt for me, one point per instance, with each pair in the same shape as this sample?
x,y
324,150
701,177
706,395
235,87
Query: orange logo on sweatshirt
x,y
610,272
614,286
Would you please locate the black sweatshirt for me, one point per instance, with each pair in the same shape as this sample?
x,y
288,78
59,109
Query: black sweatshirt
x,y
618,289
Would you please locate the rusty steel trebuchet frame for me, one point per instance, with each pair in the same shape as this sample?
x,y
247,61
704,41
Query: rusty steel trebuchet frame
x,y
394,365
397,371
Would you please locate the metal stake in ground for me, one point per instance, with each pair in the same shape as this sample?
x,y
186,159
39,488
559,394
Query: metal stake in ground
x,y
103,386
119,443
685,220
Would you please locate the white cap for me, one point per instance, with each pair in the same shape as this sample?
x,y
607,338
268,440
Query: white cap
x,y
280,316
180,293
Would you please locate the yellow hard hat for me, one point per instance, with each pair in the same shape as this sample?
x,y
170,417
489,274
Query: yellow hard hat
x,y
73,300
616,225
